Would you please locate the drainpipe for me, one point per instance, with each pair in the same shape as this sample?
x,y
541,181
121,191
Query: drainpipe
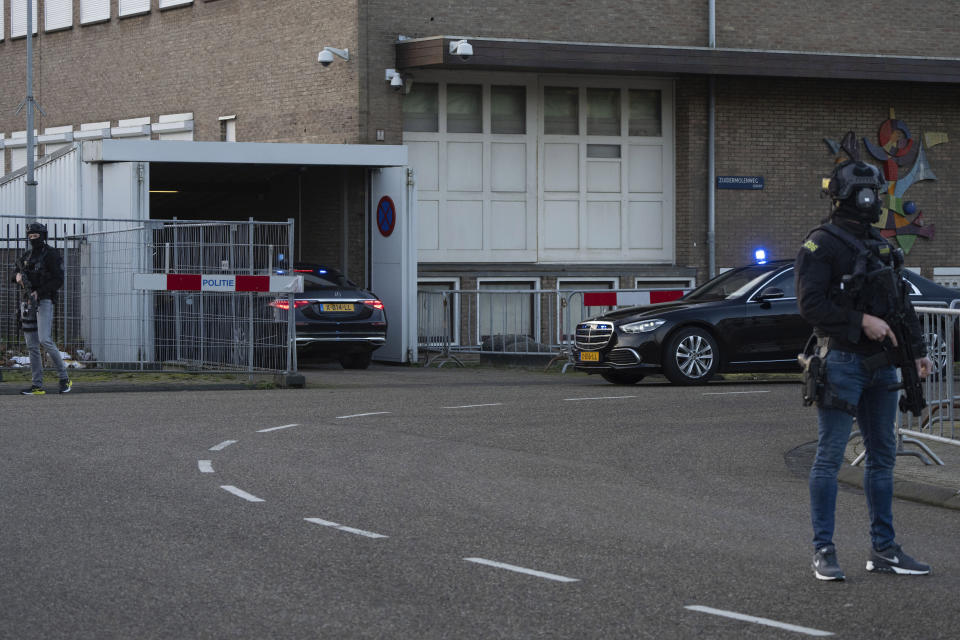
x,y
711,161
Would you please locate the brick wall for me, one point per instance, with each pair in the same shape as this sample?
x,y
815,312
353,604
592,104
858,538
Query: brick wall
x,y
251,58
922,28
775,128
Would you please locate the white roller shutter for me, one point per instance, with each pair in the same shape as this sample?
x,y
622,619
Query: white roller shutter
x,y
18,18
164,4
132,7
57,14
94,11
2,11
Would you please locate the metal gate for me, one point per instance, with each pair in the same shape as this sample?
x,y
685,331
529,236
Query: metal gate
x,y
103,322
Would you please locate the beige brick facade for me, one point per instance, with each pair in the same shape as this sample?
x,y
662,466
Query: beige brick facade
x,y
257,60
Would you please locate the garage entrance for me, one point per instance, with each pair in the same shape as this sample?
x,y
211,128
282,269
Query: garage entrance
x,y
330,192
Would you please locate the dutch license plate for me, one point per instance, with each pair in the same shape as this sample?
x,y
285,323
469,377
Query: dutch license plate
x,y
590,356
336,307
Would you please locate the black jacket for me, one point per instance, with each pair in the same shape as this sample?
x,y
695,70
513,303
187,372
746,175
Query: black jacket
x,y
44,269
821,264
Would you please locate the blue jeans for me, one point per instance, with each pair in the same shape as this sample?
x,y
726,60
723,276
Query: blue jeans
x,y
41,338
876,415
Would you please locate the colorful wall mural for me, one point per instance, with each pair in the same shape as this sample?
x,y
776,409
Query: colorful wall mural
x,y
903,160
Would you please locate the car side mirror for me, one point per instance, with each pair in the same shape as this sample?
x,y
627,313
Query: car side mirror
x,y
770,293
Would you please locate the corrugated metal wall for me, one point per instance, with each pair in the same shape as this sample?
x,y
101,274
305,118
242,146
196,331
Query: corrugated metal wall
x,y
59,188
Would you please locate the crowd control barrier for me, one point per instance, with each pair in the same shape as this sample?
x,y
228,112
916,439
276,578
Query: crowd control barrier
x,y
161,295
938,421
515,321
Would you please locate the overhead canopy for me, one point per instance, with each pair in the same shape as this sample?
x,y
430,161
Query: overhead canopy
x,y
504,54
272,153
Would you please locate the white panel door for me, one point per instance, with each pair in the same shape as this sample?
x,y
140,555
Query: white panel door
x,y
477,188
606,190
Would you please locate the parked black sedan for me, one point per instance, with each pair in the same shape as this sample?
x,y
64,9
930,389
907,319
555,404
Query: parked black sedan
x,y
334,317
744,320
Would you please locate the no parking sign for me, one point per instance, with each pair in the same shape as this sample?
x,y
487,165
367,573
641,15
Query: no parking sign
x,y
386,216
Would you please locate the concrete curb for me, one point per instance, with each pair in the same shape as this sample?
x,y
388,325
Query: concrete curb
x,y
907,489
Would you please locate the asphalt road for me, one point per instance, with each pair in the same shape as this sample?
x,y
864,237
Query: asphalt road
x,y
413,503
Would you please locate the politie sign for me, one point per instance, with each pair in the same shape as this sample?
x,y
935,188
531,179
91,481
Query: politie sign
x,y
217,282
740,182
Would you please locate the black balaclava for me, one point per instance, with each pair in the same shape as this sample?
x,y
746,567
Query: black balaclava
x,y
36,243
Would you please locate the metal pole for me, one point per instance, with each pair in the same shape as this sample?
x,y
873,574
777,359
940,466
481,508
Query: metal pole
x,y
291,309
30,186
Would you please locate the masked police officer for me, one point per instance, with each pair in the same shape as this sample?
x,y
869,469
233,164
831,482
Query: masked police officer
x,y
850,328
39,272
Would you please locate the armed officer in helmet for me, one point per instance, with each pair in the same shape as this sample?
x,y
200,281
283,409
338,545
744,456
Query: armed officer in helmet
x,y
39,274
852,319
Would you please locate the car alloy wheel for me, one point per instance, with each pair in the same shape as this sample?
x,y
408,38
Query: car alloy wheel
x,y
937,350
692,357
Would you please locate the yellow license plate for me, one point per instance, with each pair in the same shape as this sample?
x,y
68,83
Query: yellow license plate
x,y
336,307
590,356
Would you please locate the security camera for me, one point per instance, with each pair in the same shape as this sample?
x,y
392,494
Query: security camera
x,y
462,49
325,57
396,82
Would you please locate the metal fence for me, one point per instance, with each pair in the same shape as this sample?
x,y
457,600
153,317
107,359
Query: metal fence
x,y
513,321
102,322
939,421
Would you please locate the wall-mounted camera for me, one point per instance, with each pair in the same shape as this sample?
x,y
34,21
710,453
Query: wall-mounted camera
x,y
461,48
398,81
325,57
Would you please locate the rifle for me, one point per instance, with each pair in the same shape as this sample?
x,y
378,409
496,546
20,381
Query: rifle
x,y
902,355
912,399
27,317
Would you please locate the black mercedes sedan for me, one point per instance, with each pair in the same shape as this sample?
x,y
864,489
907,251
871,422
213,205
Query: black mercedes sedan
x,y
744,320
334,317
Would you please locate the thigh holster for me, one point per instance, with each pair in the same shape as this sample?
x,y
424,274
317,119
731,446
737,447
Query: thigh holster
x,y
816,385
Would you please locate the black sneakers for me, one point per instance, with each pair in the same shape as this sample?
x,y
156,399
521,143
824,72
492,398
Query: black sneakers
x,y
66,385
894,560
34,390
825,565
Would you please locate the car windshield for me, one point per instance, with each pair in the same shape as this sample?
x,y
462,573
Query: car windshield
x,y
732,284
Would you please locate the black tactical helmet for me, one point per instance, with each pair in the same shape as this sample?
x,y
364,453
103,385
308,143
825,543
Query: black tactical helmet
x,y
854,188
36,227
858,183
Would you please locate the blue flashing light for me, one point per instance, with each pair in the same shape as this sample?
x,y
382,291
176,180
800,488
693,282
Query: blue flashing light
x,y
321,271
280,257
761,256
280,272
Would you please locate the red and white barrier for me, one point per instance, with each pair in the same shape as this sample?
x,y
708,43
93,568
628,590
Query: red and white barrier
x,y
218,282
629,298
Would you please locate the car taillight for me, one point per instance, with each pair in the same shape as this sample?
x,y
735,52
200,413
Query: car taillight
x,y
285,304
373,304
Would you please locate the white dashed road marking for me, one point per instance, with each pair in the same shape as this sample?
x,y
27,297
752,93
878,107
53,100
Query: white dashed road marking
x,y
222,445
600,398
531,572
732,393
205,466
471,406
241,493
360,415
283,426
764,621
359,532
